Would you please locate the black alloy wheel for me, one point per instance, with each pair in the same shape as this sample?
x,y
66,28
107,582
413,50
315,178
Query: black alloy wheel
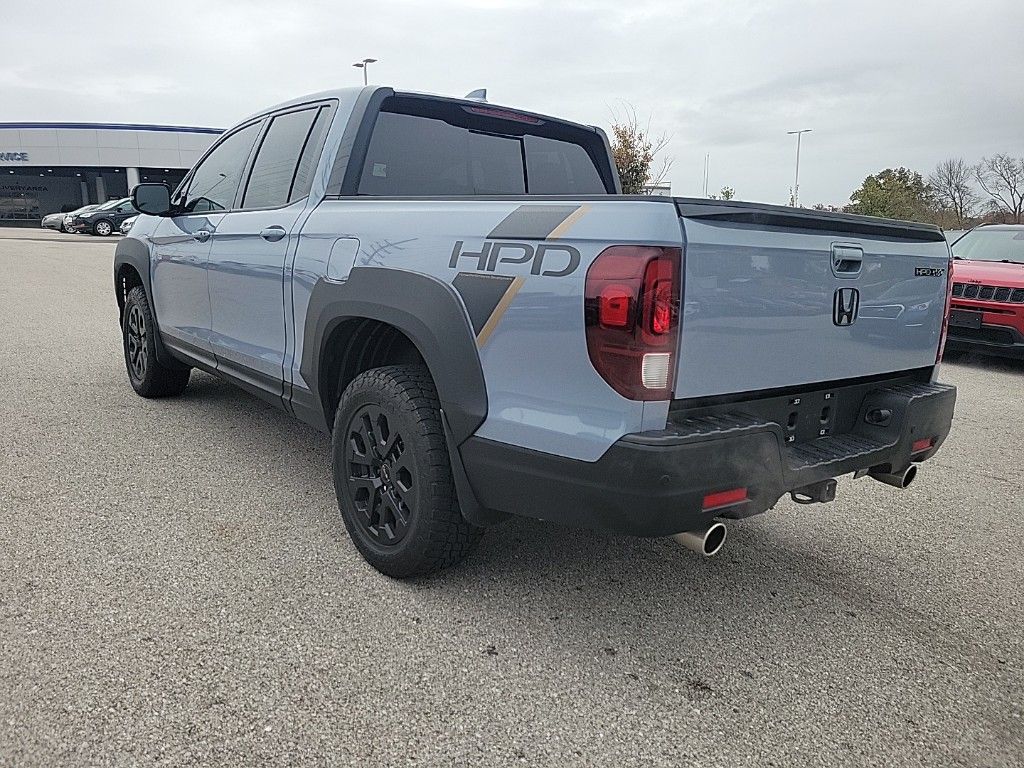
x,y
147,375
135,337
393,475
381,475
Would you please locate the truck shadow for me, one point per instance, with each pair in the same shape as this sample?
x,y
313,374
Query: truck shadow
x,y
630,603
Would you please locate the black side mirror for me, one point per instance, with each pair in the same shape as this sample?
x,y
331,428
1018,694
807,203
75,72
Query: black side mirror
x,y
154,199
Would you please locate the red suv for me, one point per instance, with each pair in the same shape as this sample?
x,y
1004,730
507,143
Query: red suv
x,y
988,291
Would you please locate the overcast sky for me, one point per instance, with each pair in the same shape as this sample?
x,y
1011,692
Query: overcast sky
x,y
880,83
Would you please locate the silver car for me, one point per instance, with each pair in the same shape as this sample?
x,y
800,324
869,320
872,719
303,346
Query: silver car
x,y
56,220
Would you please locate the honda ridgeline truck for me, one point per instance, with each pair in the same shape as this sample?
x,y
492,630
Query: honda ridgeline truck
x,y
460,296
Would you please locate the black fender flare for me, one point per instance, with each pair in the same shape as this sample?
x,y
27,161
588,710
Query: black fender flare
x,y
428,311
134,253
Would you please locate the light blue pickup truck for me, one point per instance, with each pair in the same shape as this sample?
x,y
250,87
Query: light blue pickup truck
x,y
458,293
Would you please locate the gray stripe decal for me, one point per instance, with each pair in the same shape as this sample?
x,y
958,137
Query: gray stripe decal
x,y
480,294
531,222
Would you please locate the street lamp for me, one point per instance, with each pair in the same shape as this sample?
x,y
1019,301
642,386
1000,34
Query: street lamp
x,y
796,181
364,65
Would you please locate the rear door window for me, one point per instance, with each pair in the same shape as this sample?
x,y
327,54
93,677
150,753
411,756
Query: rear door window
x,y
270,181
303,180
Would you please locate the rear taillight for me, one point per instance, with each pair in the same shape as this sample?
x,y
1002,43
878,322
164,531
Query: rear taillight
x,y
946,310
631,308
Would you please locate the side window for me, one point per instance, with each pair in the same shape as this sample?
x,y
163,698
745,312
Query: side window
x,y
215,182
277,161
310,155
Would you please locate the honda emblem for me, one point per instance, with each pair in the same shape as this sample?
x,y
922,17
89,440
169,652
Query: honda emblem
x,y
845,306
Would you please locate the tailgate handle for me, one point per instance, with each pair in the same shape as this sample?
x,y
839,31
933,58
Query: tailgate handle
x,y
847,260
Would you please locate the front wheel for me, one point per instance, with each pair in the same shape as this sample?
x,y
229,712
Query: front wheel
x,y
102,228
148,376
393,477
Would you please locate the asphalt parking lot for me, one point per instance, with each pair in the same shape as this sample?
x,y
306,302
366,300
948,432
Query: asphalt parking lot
x,y
178,589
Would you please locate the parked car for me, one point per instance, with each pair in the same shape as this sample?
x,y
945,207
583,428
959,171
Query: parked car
x,y
103,220
459,295
126,225
987,313
56,220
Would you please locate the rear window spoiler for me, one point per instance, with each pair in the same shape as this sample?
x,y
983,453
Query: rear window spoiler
x,y
762,215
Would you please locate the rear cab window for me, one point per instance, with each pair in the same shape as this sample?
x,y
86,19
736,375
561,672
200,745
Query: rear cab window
x,y
422,147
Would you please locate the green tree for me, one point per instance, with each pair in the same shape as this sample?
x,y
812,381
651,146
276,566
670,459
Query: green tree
x,y
635,152
895,193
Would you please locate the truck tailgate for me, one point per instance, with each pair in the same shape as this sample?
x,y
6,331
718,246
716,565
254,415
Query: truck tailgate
x,y
777,297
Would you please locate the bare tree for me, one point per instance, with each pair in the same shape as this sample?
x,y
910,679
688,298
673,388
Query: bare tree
x,y
636,154
952,189
1002,178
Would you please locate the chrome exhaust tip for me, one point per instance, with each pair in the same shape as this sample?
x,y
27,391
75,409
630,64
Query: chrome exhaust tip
x,y
704,541
897,480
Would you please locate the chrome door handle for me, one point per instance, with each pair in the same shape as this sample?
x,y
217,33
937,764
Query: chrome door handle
x,y
273,234
201,235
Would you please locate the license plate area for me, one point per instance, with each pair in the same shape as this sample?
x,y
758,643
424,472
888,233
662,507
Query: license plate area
x,y
965,318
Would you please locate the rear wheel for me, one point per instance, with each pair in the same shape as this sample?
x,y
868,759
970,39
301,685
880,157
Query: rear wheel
x,y
102,228
148,376
393,477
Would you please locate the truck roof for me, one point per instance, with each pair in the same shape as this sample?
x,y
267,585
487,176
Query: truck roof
x,y
354,92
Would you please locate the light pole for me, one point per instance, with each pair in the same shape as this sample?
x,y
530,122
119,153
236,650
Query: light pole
x,y
796,181
364,65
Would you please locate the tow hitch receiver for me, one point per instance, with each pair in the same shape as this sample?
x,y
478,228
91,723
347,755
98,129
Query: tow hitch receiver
x,y
815,493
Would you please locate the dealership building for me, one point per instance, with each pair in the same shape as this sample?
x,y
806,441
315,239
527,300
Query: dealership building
x,y
50,167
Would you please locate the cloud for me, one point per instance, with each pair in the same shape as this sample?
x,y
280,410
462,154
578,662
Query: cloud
x,y
881,83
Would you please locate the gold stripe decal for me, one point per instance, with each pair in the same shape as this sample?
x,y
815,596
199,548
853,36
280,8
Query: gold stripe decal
x,y
567,223
499,311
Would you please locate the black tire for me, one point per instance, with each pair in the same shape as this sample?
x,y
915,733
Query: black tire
x,y
393,477
103,228
148,377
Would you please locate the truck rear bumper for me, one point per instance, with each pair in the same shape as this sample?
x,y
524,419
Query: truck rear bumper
x,y
656,483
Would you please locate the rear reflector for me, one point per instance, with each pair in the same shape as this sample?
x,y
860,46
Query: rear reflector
x,y
724,498
922,445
